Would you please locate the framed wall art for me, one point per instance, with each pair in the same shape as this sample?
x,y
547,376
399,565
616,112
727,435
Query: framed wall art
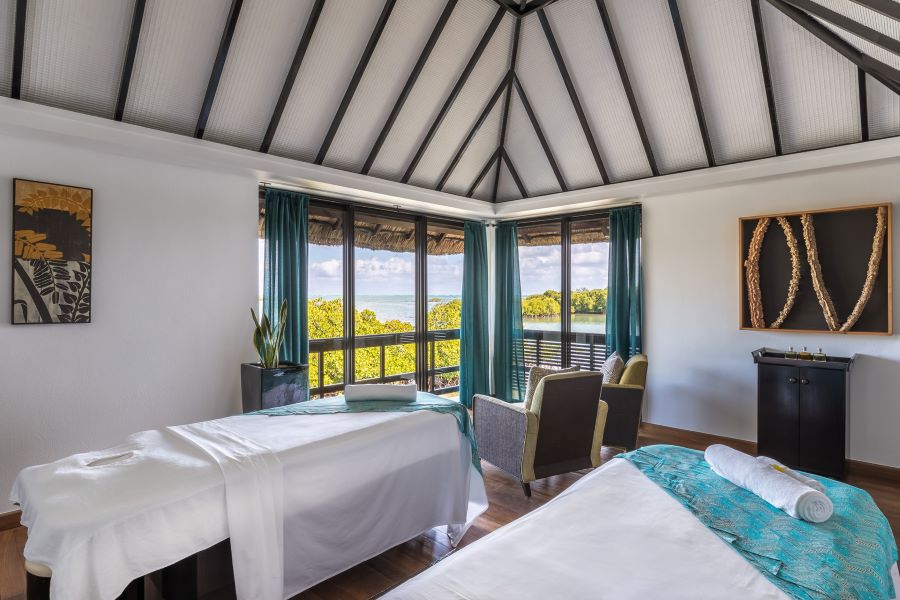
x,y
52,245
817,271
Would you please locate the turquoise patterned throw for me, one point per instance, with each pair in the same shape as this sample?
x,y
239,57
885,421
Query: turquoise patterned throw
x,y
424,401
848,556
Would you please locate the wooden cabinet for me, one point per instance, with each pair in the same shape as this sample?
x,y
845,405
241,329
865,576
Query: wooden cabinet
x,y
802,411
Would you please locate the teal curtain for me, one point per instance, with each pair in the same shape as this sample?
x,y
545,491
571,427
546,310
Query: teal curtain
x,y
509,368
625,303
286,268
474,374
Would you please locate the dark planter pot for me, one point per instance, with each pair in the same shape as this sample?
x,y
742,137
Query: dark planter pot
x,y
267,388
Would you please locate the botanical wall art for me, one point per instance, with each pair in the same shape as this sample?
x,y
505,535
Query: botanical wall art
x,y
826,270
51,281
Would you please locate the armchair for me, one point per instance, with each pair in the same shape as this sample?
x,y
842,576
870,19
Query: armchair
x,y
625,400
559,431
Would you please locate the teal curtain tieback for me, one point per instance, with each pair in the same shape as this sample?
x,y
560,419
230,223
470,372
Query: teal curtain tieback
x,y
625,303
285,275
474,375
509,364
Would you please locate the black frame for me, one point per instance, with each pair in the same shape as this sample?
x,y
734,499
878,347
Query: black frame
x,y
12,237
421,336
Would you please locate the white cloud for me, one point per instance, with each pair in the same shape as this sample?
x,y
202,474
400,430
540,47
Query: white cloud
x,y
326,269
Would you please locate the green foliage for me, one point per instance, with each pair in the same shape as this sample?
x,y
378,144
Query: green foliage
x,y
268,340
326,320
584,301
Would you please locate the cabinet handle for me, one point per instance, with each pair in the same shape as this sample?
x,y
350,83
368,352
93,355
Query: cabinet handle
x,y
804,381
792,380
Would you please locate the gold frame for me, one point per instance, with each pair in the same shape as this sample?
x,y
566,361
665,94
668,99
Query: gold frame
x,y
890,271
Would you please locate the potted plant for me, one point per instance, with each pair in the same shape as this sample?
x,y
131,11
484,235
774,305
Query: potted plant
x,y
270,382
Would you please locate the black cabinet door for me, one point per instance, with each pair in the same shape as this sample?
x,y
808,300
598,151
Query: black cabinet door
x,y
778,417
822,418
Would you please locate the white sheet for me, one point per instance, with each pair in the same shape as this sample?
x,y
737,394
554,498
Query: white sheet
x,y
354,485
254,507
615,534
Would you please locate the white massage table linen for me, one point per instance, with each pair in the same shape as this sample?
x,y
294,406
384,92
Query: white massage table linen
x,y
355,484
615,534
254,506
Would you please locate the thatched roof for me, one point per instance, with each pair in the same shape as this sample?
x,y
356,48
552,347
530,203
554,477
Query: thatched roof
x,y
583,232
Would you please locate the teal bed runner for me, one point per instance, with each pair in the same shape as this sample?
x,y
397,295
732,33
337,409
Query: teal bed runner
x,y
848,556
424,401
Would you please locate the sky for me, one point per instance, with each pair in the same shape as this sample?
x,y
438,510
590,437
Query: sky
x,y
393,273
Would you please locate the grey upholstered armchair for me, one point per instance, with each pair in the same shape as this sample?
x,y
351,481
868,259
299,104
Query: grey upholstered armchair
x,y
559,431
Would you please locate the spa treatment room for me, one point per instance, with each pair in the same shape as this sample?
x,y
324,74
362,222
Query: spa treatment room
x,y
449,299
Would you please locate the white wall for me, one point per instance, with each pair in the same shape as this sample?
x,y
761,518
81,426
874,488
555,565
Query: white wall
x,y
174,274
701,374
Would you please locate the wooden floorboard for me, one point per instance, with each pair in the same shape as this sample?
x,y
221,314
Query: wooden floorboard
x,y
507,503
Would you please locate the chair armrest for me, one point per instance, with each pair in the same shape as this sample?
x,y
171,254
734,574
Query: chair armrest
x,y
624,418
501,430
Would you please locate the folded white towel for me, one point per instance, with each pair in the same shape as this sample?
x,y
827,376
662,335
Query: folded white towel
x,y
805,480
363,392
778,489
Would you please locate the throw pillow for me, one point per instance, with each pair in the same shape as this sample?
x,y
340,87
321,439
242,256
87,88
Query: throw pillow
x,y
612,368
534,378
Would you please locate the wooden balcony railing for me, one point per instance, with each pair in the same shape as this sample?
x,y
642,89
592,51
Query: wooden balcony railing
x,y
544,348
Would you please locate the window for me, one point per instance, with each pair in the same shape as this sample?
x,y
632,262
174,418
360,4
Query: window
x,y
385,298
563,271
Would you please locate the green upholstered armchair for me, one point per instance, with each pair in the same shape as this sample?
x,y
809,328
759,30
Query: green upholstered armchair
x,y
625,400
559,431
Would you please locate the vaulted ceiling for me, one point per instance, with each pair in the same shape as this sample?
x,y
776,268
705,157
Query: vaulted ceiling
x,y
492,99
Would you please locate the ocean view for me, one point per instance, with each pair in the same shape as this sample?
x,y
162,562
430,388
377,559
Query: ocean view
x,y
402,307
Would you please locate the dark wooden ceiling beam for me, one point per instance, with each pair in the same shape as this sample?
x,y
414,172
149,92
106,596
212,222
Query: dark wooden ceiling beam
x,y
495,158
476,126
137,19
504,117
692,81
357,77
766,74
221,56
548,152
626,84
410,83
18,49
888,8
513,172
454,92
573,95
858,29
300,53
863,106
884,74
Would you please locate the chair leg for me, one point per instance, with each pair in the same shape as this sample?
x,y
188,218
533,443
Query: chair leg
x,y
526,487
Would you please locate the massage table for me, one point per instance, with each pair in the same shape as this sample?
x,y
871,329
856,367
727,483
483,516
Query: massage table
x,y
614,534
354,485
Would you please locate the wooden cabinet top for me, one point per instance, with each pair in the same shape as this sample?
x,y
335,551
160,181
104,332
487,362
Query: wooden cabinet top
x,y
776,357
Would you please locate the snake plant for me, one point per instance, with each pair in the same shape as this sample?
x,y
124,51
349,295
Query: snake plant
x,y
268,339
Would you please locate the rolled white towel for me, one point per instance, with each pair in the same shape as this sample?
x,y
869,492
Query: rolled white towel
x,y
777,488
805,480
363,392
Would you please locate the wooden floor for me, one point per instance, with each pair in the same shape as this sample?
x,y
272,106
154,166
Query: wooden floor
x,y
507,502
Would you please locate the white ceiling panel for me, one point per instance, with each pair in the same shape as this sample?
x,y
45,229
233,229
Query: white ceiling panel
x,y
816,89
525,150
485,189
341,36
589,58
7,39
506,185
482,83
865,16
547,94
722,41
401,43
74,52
652,58
259,58
884,110
459,39
175,56
476,155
